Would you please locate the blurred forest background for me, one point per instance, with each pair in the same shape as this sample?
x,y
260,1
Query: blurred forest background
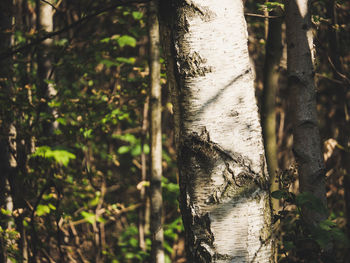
x,y
74,131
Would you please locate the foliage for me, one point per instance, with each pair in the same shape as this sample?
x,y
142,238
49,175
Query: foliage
x,y
301,242
80,179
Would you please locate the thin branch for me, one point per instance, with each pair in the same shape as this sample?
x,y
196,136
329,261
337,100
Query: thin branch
x,y
337,71
47,2
263,16
318,75
20,48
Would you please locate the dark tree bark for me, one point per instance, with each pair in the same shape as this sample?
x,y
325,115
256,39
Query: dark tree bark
x,y
6,14
307,142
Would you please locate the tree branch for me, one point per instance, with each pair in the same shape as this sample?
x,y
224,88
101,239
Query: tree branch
x,y
20,48
263,16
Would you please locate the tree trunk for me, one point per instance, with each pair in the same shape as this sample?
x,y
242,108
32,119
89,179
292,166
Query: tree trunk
x,y
143,196
307,143
47,91
6,162
157,252
343,102
223,179
273,55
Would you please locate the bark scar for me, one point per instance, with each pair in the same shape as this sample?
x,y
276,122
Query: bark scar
x,y
204,12
238,174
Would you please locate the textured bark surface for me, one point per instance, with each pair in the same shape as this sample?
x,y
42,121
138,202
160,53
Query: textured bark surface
x,y
223,179
157,252
307,144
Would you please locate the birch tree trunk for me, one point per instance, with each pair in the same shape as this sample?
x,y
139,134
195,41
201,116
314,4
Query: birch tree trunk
x,y
47,91
306,137
223,179
157,252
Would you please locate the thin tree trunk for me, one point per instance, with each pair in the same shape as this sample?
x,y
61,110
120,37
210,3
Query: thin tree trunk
x,y
157,252
7,162
306,137
344,132
47,91
5,69
143,196
273,55
223,179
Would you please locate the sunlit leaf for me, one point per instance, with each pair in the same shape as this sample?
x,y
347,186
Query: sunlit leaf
x,y
42,209
137,15
89,217
61,156
126,40
123,149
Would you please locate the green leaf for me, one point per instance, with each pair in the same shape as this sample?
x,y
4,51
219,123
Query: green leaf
x,y
5,212
133,242
89,217
62,121
61,42
327,225
130,61
167,247
95,201
109,63
61,156
87,133
279,194
123,149
310,201
137,15
126,40
270,6
127,138
136,151
42,210
52,207
171,187
105,40
167,259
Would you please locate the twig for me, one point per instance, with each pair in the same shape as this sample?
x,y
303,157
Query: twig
x,y
318,75
337,71
47,2
263,16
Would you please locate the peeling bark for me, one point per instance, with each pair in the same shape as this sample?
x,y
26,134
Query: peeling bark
x,y
223,180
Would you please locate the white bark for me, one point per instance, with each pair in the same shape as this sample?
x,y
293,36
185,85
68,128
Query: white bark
x,y
48,91
224,189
